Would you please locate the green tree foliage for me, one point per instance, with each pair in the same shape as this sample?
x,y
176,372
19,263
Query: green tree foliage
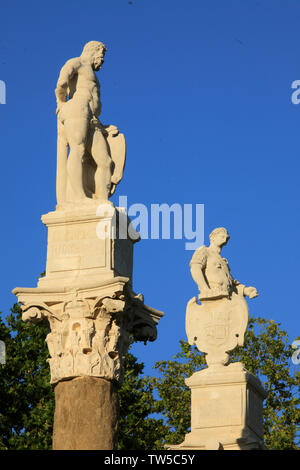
x,y
137,428
267,354
27,398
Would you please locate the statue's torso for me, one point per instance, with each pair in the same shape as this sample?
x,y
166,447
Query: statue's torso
x,y
214,268
84,87
217,271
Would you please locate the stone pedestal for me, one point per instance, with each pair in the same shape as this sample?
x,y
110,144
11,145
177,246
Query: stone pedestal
x,y
88,244
226,410
86,414
87,298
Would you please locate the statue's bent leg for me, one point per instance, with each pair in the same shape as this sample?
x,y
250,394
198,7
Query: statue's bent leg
x,y
100,154
76,131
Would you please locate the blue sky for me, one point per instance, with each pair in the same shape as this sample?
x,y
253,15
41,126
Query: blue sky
x,y
202,91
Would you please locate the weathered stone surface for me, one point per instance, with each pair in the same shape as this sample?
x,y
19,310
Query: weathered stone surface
x,y
86,415
84,245
227,406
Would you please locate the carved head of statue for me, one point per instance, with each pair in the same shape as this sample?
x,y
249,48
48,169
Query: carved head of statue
x,y
94,52
219,236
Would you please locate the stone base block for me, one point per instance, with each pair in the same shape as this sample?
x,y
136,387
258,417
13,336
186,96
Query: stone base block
x,y
89,244
86,415
226,410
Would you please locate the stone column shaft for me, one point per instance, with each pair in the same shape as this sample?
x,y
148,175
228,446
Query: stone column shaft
x,y
86,414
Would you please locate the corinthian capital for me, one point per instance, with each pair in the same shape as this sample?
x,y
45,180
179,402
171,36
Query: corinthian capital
x,y
90,328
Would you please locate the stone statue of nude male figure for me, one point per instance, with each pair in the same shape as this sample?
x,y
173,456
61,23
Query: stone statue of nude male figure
x,y
90,156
